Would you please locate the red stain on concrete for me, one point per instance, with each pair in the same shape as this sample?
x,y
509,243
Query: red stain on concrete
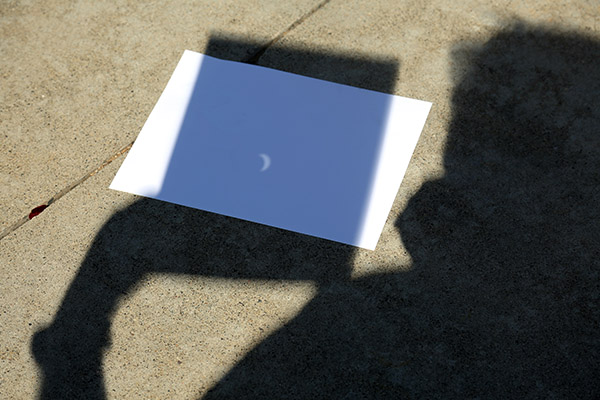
x,y
38,210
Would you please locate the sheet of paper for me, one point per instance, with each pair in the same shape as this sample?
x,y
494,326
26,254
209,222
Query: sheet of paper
x,y
275,148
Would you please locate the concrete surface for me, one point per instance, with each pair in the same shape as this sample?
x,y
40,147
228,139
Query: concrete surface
x,y
81,79
485,281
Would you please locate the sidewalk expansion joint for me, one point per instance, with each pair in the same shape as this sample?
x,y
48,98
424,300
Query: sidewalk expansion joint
x,y
38,210
253,58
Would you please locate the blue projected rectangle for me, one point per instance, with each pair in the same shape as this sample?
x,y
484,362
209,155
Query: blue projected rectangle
x,y
275,148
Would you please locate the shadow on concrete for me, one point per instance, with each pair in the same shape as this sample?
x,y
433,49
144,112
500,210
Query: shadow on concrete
x,y
506,245
156,237
502,300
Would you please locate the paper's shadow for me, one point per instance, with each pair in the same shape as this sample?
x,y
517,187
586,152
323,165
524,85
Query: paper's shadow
x,y
502,300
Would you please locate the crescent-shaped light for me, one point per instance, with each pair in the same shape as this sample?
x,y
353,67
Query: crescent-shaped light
x,y
266,162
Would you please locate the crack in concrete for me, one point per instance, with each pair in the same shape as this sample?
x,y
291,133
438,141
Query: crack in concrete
x,y
67,189
252,59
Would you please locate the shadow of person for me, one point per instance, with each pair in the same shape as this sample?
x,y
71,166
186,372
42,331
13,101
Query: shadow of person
x,y
502,300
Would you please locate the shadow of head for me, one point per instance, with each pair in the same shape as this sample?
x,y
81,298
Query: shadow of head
x,y
508,239
522,153
150,237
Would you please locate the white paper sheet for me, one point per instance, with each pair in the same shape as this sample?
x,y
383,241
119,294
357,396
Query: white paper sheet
x,y
275,148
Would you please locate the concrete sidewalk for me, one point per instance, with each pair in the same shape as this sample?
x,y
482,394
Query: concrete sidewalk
x,y
484,284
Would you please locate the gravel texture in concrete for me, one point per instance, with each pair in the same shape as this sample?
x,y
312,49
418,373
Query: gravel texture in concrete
x,y
485,282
